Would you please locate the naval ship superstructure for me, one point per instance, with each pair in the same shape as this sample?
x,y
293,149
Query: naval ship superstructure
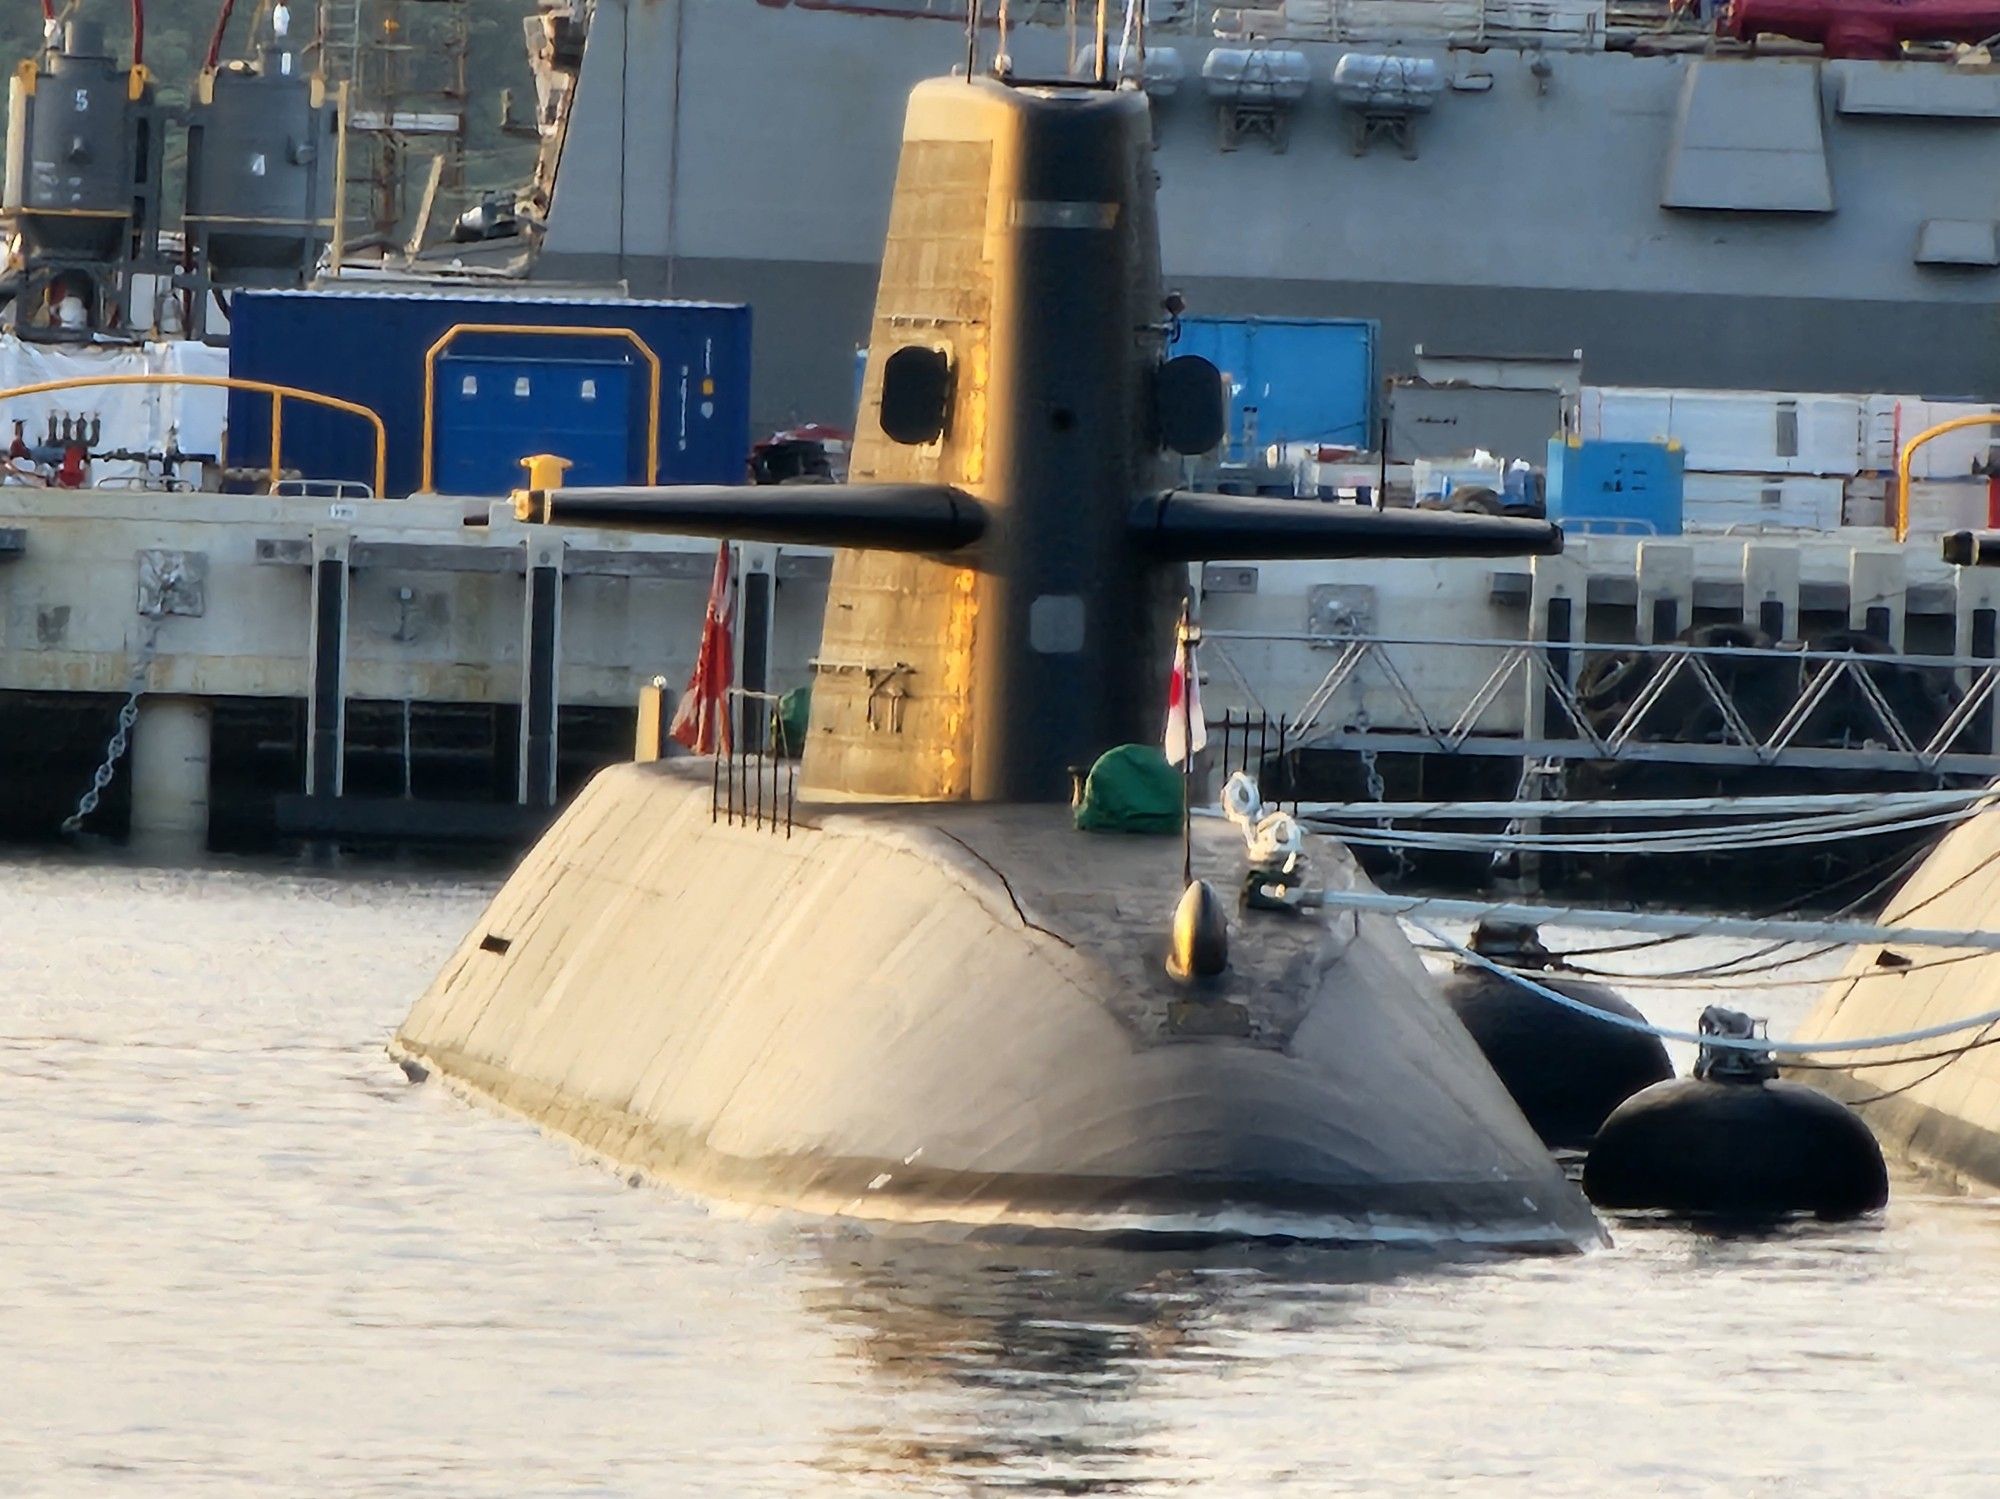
x,y
1813,210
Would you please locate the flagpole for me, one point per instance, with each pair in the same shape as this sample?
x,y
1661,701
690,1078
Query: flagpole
x,y
1188,692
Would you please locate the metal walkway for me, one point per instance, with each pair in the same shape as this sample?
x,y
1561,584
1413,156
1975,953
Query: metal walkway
x,y
1677,703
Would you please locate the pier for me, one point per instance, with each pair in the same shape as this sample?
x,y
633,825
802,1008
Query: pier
x,y
1709,653
311,666
319,665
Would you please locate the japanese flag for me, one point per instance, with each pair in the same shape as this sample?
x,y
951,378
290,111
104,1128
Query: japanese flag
x,y
1186,731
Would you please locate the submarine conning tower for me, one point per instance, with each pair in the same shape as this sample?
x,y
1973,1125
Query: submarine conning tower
x,y
1021,243
1013,558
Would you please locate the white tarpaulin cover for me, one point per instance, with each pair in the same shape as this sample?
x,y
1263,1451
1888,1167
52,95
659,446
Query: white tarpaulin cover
x,y
1733,431
136,418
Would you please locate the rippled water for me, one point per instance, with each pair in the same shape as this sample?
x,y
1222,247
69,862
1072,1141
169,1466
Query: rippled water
x,y
239,1255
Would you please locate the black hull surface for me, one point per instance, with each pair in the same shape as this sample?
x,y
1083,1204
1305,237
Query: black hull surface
x,y
959,1016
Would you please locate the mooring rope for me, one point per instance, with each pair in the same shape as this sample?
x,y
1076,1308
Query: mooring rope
x,y
1775,833
1899,864
1613,810
1599,919
1729,1043
1742,980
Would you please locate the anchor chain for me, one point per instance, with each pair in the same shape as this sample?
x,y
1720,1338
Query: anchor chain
x,y
1378,791
121,735
1542,779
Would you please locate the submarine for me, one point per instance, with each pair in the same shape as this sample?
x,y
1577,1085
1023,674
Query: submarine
x,y
930,999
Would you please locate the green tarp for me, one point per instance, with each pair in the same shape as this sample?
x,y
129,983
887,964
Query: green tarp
x,y
788,722
1131,789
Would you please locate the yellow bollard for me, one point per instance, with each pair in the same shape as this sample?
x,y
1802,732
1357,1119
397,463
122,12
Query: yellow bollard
x,y
653,722
545,472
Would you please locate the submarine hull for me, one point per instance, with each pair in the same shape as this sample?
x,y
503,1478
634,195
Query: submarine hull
x,y
960,1015
1935,1101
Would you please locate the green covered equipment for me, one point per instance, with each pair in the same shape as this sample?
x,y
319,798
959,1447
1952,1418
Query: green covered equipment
x,y
788,722
1131,789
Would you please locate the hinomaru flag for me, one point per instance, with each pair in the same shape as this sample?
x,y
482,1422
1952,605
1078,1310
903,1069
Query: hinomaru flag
x,y
1186,732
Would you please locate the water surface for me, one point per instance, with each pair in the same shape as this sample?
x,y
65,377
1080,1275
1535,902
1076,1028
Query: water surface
x,y
240,1255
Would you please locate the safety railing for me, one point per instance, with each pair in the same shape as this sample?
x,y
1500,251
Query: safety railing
x,y
1574,25
457,331
755,778
1263,746
1905,458
1715,705
279,394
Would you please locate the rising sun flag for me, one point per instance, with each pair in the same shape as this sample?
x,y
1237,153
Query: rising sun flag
x,y
701,719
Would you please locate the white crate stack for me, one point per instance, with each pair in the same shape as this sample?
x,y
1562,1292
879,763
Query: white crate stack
x,y
1799,460
1762,502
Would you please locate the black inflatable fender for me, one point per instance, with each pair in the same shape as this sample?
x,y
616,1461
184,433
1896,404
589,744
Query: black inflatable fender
x,y
1736,1149
1566,1071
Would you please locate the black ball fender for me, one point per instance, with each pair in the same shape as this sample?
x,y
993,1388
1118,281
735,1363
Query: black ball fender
x,y
1567,1072
1736,1149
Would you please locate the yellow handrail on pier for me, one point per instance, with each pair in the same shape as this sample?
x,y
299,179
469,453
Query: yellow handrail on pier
x,y
1984,419
539,330
279,394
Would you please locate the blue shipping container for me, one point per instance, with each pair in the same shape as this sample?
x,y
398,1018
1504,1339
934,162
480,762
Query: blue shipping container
x,y
1616,488
369,347
1291,379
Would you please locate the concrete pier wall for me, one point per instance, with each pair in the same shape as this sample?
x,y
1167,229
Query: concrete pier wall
x,y
437,591
435,612
211,601
213,598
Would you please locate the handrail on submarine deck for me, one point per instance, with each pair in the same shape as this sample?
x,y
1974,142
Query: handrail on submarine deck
x,y
736,790
279,394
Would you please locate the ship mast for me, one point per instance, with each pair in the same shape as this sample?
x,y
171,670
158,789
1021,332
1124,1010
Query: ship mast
x,y
975,12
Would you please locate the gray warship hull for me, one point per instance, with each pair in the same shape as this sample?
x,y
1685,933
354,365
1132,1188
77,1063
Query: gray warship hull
x,y
958,1016
739,151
